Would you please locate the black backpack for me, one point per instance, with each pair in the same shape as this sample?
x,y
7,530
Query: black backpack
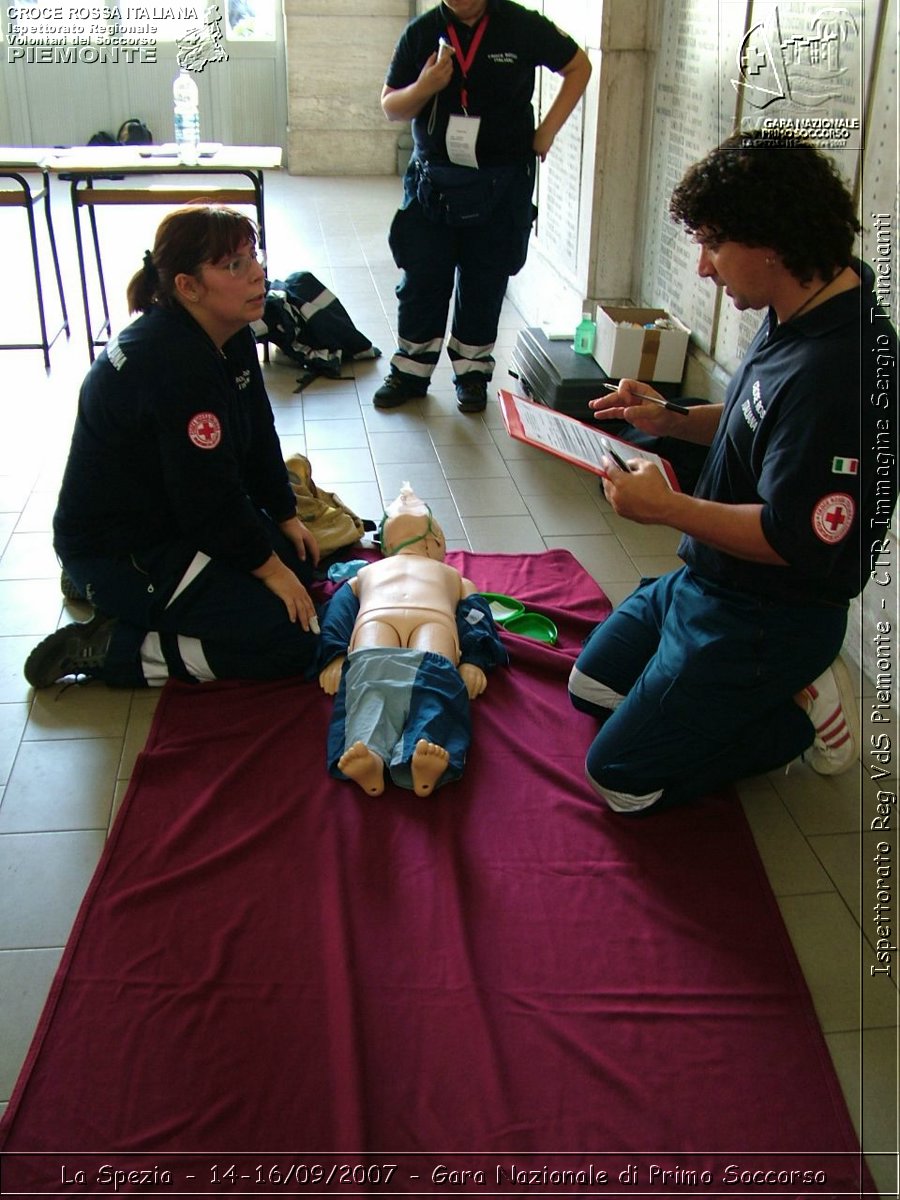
x,y
134,133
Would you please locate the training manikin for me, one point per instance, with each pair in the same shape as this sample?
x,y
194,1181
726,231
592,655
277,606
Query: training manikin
x,y
406,644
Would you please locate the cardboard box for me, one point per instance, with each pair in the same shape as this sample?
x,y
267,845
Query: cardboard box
x,y
656,355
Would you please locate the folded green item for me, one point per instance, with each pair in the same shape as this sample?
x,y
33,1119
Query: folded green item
x,y
533,625
513,615
503,608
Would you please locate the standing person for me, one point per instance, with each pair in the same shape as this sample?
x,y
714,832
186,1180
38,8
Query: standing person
x,y
729,666
175,517
464,74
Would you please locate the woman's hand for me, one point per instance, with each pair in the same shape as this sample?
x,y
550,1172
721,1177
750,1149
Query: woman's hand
x,y
541,142
402,104
281,580
437,72
303,539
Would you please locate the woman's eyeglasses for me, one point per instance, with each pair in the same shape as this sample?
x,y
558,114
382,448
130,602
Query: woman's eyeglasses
x,y
243,264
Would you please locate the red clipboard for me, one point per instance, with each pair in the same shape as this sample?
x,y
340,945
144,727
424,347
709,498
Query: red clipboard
x,y
570,439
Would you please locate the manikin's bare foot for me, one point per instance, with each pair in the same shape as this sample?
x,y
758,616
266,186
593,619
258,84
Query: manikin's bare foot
x,y
364,767
429,762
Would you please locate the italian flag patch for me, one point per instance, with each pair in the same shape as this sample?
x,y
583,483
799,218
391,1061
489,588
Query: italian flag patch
x,y
845,466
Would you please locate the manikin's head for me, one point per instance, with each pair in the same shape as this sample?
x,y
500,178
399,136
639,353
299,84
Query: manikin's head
x,y
409,528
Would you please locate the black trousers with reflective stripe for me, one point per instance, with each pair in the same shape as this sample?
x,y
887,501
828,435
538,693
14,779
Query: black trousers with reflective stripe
x,y
469,266
242,627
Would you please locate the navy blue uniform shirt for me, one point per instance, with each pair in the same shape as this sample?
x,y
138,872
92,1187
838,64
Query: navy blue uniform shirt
x,y
808,432
500,82
173,439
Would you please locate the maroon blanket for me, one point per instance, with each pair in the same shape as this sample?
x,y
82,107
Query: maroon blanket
x,y
277,983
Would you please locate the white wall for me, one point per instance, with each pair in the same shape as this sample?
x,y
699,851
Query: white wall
x,y
337,55
661,96
61,102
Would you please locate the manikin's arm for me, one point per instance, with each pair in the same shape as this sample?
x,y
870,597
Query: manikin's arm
x,y
330,676
479,640
337,629
472,676
474,679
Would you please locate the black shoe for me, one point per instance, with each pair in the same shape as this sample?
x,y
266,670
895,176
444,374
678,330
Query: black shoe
x,y
396,390
471,394
70,589
76,649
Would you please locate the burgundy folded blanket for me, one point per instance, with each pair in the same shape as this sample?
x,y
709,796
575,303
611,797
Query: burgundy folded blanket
x,y
277,983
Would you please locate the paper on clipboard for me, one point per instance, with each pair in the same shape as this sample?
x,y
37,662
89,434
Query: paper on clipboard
x,y
571,439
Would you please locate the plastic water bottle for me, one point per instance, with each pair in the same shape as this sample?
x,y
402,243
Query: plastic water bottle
x,y
186,99
585,334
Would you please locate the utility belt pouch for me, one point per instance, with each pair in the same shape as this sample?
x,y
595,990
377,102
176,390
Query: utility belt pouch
x,y
460,196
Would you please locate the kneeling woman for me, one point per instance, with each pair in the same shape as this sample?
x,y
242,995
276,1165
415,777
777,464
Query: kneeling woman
x,y
175,517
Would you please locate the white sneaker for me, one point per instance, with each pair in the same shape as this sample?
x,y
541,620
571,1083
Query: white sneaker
x,y
831,706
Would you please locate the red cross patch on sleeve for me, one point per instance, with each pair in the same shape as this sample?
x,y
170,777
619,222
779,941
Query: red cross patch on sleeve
x,y
832,518
205,431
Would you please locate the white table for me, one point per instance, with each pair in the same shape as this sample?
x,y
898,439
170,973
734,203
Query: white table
x,y
89,170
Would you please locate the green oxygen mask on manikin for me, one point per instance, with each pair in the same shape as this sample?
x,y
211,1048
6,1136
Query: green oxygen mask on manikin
x,y
405,512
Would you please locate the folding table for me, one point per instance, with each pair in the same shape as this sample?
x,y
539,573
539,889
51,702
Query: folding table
x,y
115,175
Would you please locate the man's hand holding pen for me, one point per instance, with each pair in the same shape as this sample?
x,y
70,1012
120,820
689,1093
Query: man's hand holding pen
x,y
641,407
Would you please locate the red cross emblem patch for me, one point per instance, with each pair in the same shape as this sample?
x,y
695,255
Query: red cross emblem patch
x,y
205,431
832,518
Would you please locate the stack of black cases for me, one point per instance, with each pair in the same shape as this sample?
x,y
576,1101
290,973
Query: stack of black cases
x,y
550,372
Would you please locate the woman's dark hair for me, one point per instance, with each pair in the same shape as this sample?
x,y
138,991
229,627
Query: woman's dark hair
x,y
771,192
185,240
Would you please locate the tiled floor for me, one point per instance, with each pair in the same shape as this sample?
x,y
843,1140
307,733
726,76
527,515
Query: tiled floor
x,y
65,758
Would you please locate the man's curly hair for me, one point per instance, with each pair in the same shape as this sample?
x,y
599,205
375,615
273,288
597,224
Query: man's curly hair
x,y
770,192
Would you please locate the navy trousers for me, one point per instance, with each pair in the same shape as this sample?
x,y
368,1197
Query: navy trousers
x,y
708,677
186,616
469,266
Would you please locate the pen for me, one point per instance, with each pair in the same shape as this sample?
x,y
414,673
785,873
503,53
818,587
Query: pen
x,y
669,404
608,450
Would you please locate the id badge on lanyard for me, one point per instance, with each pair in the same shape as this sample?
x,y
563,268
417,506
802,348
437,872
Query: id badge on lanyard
x,y
462,130
462,134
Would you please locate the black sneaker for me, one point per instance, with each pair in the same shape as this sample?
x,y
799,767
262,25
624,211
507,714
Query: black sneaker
x,y
76,649
70,589
396,390
471,394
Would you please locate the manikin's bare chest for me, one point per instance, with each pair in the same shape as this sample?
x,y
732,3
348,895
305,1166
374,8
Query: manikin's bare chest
x,y
408,581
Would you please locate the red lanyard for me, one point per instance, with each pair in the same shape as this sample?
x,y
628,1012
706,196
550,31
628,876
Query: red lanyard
x,y
466,60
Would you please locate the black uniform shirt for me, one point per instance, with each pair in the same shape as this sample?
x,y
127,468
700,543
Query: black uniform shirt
x,y
500,81
173,439
807,432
